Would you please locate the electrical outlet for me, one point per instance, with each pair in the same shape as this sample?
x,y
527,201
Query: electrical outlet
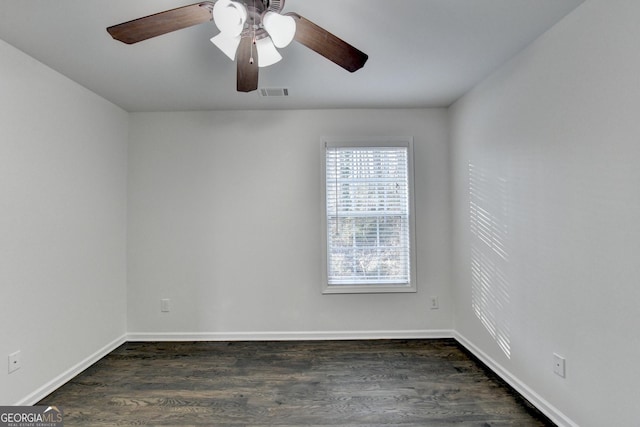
x,y
15,361
559,365
434,303
164,305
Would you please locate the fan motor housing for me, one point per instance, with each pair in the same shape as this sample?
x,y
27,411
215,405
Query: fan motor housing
x,y
255,12
263,6
274,5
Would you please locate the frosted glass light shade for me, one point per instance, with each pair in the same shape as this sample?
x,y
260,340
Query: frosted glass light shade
x,y
267,52
228,45
229,17
281,28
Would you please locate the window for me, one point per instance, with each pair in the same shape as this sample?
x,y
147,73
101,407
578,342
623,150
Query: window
x,y
369,217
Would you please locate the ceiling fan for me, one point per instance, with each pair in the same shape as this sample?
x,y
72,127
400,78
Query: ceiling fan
x,y
250,32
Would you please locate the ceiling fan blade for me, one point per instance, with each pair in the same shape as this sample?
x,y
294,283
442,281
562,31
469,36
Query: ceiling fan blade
x,y
247,59
328,45
161,23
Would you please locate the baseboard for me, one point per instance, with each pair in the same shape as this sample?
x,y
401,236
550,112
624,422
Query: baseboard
x,y
63,378
534,398
288,336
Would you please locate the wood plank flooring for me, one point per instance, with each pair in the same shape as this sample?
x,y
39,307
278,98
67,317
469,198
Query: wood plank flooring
x,y
309,383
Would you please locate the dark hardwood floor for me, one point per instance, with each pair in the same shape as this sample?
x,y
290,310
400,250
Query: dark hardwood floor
x,y
320,383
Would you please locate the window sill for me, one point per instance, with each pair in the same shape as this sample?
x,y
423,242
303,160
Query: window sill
x,y
368,289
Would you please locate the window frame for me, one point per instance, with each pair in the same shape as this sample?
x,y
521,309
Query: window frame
x,y
372,142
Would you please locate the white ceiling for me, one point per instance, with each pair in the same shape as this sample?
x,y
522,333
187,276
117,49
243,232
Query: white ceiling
x,y
422,53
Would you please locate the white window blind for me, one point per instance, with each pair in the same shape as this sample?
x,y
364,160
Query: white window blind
x,y
368,215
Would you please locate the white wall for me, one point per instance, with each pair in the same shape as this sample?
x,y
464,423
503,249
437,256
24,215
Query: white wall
x,y
225,220
547,207
62,225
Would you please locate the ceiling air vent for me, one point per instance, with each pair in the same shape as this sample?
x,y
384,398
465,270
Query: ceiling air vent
x,y
277,91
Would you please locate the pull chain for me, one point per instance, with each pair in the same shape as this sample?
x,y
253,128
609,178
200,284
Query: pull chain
x,y
253,37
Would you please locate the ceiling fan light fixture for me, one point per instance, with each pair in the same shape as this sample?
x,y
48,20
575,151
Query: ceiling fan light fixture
x,y
230,17
267,52
246,31
228,45
281,28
